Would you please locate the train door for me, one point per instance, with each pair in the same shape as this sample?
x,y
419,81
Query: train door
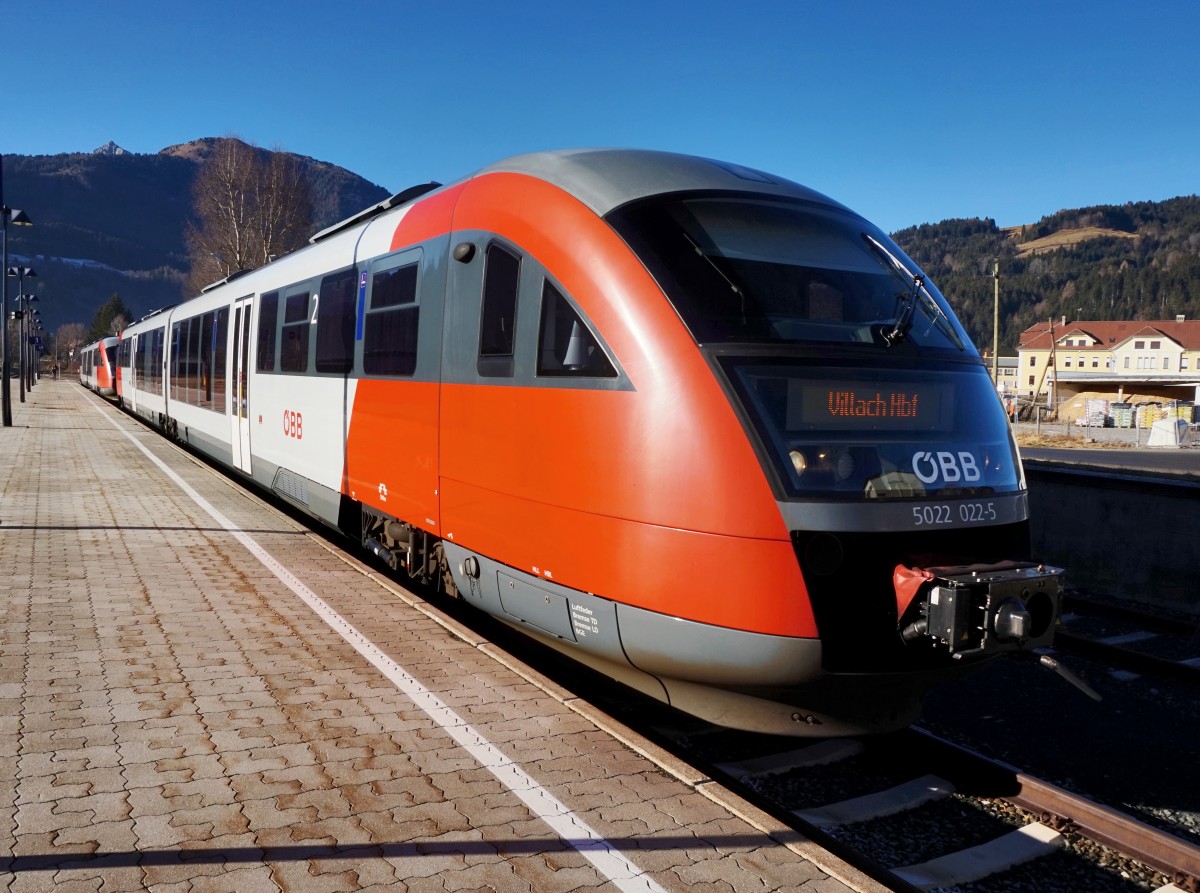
x,y
239,385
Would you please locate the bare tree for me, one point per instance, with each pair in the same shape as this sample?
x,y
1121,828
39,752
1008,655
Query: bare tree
x,y
251,206
70,338
284,211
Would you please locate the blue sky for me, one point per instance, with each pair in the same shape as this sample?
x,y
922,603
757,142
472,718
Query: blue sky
x,y
907,112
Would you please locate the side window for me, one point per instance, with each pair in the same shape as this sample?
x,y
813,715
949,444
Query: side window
x,y
177,343
203,329
566,345
335,322
160,338
217,380
499,317
268,319
293,353
140,362
390,327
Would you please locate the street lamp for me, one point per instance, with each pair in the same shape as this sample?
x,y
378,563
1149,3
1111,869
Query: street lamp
x,y
18,218
996,325
32,330
21,274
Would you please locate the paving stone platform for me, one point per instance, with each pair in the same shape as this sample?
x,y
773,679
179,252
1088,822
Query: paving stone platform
x,y
176,714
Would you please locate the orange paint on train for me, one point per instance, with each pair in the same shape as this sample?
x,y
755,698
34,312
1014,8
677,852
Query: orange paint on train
x,y
621,493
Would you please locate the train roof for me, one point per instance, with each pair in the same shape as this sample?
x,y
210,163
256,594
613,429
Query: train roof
x,y
605,179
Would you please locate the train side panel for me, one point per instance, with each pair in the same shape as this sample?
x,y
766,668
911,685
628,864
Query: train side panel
x,y
392,440
610,489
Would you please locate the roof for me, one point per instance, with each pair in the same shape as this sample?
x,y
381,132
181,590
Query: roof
x,y
1110,333
605,179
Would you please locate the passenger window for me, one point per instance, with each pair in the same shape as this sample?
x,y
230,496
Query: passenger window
x,y
293,356
499,317
335,322
390,327
268,319
566,345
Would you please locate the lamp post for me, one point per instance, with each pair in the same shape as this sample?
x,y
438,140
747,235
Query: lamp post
x,y
21,274
996,325
18,218
31,335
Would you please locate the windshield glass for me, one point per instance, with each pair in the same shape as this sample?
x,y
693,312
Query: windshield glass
x,y
881,432
763,270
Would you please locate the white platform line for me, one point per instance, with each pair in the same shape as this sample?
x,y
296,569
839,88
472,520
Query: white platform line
x,y
606,858
872,806
977,862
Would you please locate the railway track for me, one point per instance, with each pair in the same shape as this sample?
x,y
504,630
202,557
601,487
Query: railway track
x,y
919,813
1131,639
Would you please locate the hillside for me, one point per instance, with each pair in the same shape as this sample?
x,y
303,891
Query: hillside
x,y
1135,261
112,222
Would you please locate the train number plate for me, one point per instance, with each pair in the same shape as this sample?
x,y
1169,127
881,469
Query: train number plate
x,y
940,514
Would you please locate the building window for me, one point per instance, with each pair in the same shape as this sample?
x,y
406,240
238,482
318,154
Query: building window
x,y
1166,363
1127,362
1095,362
1033,361
1067,363
1139,345
1183,362
1156,345
1031,381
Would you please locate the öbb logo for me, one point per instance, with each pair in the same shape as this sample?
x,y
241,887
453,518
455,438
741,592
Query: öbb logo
x,y
293,424
950,467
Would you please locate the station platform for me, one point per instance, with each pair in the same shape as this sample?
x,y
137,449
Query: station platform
x,y
197,693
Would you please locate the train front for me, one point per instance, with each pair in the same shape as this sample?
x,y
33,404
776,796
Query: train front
x,y
877,423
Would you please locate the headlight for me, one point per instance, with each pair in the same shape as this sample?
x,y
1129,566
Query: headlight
x,y
798,461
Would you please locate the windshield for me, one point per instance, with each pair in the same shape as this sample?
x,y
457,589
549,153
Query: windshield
x,y
878,432
758,269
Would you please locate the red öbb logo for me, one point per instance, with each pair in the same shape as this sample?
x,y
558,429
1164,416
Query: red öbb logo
x,y
293,424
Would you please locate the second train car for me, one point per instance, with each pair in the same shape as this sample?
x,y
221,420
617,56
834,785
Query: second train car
x,y
98,366
702,428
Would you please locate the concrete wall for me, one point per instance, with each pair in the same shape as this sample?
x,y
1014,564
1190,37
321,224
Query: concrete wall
x,y
1132,538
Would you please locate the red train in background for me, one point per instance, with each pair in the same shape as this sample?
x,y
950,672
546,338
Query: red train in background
x,y
98,365
698,426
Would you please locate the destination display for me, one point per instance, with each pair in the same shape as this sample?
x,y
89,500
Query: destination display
x,y
876,405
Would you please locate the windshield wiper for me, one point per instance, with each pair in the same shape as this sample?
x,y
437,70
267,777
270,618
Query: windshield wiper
x,y
734,287
918,294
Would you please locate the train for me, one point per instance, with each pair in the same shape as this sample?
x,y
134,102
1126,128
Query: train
x,y
98,366
701,428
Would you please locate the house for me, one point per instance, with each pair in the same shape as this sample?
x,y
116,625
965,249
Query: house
x,y
1135,360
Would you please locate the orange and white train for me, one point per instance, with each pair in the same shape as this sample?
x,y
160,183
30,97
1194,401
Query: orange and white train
x,y
98,365
698,426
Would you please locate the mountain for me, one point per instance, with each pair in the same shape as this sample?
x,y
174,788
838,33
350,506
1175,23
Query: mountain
x,y
1135,261
112,222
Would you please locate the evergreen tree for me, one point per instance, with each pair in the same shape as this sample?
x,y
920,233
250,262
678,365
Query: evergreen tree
x,y
110,319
